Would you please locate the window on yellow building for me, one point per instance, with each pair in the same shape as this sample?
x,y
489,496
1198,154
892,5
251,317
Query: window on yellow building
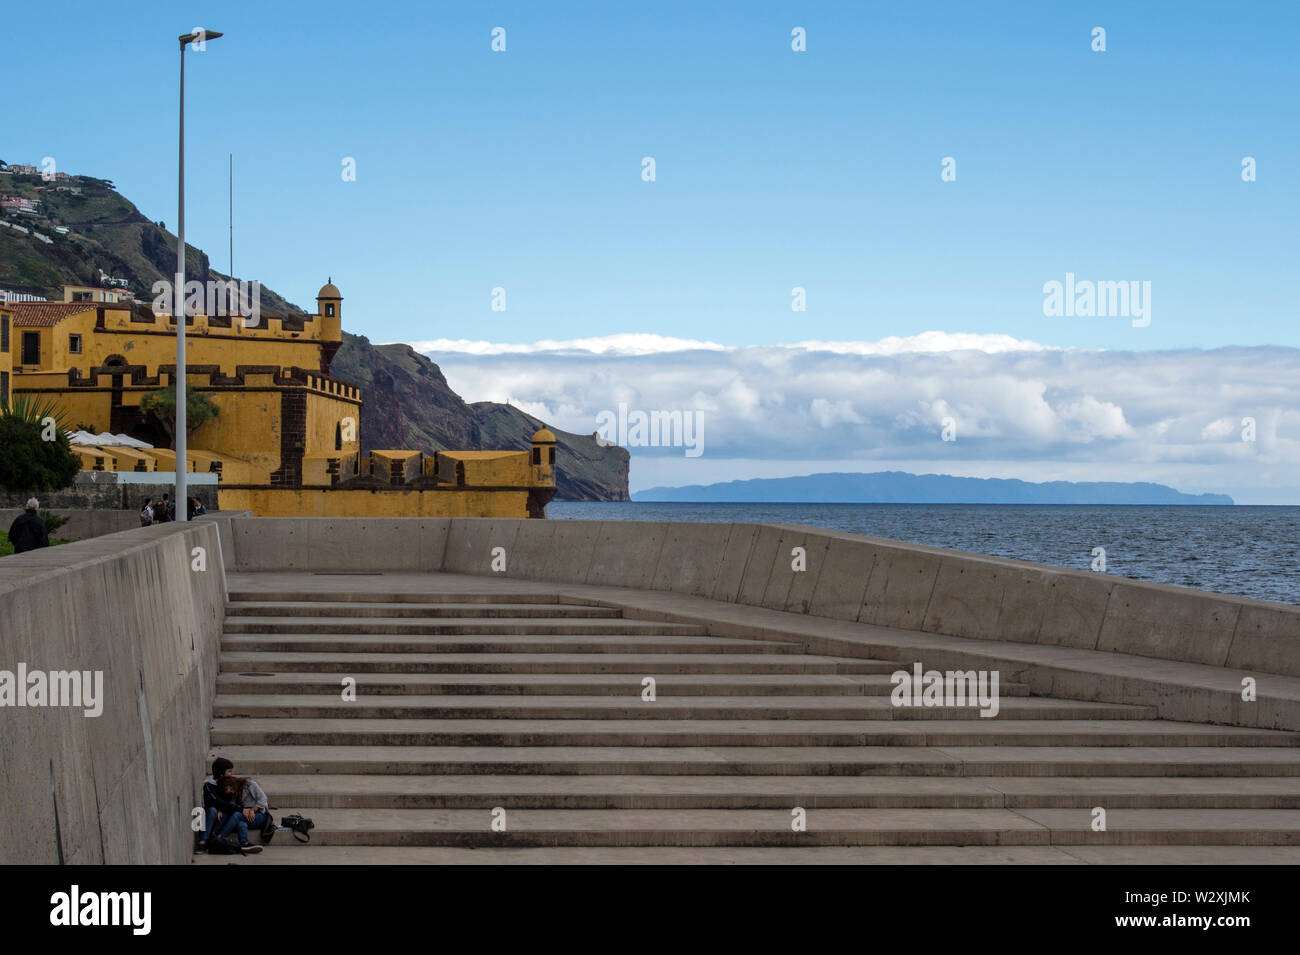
x,y
4,389
4,334
31,348
74,344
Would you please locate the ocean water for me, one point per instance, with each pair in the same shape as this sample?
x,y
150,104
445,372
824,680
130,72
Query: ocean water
x,y
1249,551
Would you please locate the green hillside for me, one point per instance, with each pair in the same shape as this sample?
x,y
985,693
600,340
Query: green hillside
x,y
106,232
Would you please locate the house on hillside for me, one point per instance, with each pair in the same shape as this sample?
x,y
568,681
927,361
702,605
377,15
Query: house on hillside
x,y
106,279
20,293
18,205
85,293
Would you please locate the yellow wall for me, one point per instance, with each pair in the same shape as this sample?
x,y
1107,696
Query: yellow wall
x,y
247,427
324,415
154,343
54,339
92,408
486,468
394,502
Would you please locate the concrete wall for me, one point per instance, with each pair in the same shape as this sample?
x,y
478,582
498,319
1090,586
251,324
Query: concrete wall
x,y
847,577
117,788
101,490
83,524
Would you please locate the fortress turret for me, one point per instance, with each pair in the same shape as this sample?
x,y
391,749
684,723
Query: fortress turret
x,y
329,307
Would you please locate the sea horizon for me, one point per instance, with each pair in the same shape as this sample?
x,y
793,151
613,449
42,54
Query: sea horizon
x,y
1246,550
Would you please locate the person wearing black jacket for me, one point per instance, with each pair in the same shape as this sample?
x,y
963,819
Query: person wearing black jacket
x,y
28,532
222,813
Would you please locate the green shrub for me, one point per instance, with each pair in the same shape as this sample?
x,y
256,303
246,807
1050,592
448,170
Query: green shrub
x,y
53,521
29,462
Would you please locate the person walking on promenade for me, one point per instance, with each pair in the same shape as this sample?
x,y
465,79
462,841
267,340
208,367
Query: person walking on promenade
x,y
28,532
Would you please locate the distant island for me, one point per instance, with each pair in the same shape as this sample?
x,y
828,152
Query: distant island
x,y
899,487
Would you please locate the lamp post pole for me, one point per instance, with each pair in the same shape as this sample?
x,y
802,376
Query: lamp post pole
x,y
178,310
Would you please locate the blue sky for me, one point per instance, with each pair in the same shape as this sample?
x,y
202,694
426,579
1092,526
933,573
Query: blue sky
x,y
774,169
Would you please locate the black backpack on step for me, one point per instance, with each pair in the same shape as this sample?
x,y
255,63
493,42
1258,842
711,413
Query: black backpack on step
x,y
224,846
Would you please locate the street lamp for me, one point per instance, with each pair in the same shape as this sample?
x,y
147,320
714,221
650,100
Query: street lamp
x,y
178,312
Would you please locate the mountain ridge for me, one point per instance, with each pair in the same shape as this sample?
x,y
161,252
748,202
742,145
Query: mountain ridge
x,y
902,487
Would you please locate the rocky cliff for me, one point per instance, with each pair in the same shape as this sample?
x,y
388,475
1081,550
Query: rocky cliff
x,y
408,404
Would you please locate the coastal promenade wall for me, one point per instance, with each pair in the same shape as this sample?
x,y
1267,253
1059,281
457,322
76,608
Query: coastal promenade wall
x,y
143,610
843,577
82,524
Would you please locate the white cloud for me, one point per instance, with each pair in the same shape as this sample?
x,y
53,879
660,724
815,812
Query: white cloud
x,y
1219,428
927,342
1098,419
649,343
831,413
630,343
1032,409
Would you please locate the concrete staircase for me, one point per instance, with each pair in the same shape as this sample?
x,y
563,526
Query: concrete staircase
x,y
513,702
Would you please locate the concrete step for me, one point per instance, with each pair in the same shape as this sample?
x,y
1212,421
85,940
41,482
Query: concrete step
x,y
495,643
825,827
1036,761
630,706
740,733
376,611
568,684
779,792
431,598
567,626
607,661
287,852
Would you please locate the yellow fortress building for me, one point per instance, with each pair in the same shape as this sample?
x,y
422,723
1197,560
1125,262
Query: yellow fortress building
x,y
286,441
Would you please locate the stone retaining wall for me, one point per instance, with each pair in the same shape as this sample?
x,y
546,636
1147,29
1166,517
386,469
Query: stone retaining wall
x,y
100,490
82,524
118,787
847,577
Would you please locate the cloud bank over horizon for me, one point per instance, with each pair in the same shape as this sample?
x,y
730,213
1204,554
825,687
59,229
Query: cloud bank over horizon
x,y
1013,408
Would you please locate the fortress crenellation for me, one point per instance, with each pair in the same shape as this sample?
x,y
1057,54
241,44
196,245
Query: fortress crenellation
x,y
285,440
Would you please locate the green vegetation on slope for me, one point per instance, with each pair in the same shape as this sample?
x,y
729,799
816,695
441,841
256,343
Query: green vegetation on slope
x,y
105,232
